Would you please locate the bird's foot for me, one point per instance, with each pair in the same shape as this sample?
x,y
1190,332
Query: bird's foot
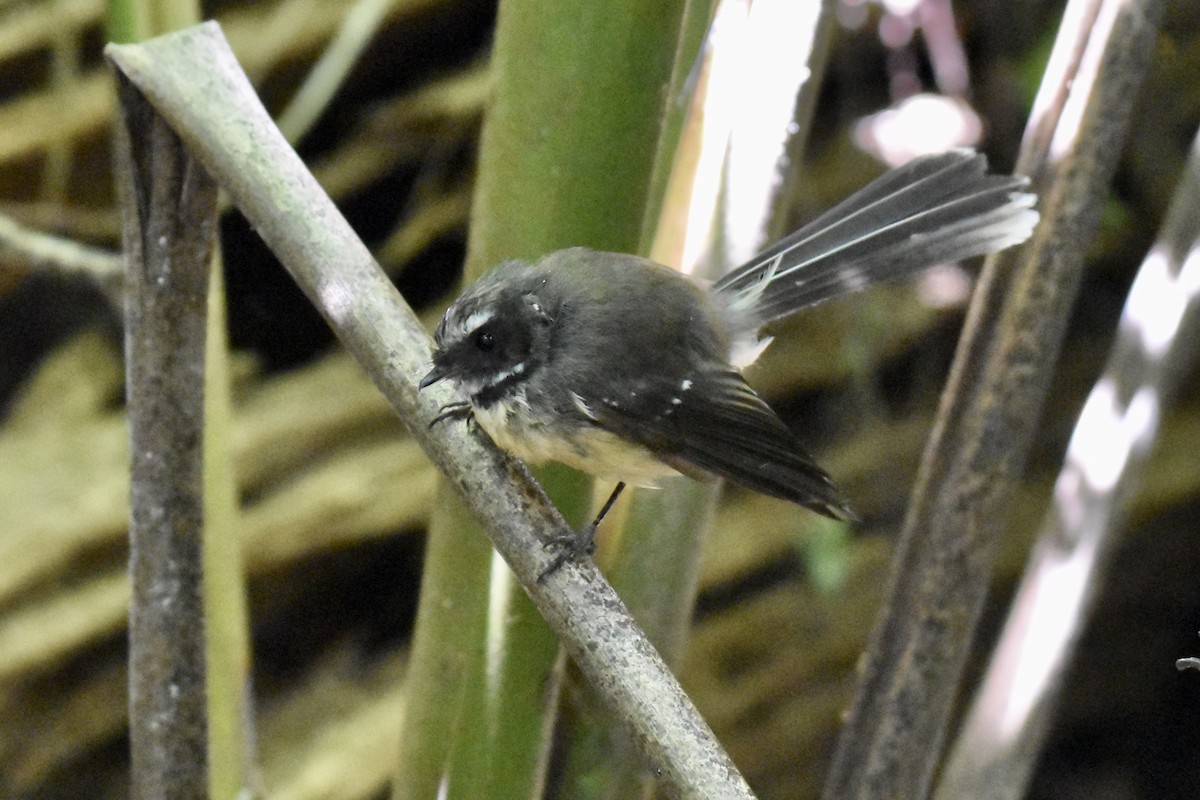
x,y
454,411
581,542
568,548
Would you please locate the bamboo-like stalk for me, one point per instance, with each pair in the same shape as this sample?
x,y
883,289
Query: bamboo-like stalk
x,y
170,205
193,80
897,726
224,619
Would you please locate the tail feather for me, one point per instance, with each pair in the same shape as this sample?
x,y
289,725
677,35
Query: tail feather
x,y
933,210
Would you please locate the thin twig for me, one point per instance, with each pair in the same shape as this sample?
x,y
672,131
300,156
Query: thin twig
x,y
359,25
194,81
52,253
892,742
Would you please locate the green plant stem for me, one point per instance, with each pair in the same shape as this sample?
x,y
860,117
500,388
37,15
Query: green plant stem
x,y
694,26
444,675
135,20
227,629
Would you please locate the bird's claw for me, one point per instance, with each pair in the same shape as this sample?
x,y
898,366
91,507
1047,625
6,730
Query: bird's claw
x,y
571,546
459,410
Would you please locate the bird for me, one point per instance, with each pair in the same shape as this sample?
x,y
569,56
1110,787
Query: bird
x,y
631,371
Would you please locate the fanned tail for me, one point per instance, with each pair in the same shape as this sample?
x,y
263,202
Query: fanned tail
x,y
933,210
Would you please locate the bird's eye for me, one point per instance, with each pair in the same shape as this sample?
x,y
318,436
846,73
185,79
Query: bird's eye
x,y
485,341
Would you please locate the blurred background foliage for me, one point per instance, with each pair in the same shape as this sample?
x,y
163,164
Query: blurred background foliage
x,y
335,496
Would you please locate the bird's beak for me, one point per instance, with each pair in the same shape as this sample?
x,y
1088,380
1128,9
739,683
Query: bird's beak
x,y
435,375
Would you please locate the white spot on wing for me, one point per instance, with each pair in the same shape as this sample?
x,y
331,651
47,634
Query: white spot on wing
x,y
582,405
853,279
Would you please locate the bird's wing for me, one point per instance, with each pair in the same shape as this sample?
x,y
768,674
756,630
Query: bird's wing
x,y
714,421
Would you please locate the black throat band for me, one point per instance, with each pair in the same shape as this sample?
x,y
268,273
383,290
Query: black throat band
x,y
493,393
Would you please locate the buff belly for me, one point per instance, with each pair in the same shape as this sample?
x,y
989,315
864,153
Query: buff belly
x,y
588,448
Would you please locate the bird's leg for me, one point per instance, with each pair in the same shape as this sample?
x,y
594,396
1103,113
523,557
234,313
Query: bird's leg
x,y
608,504
581,542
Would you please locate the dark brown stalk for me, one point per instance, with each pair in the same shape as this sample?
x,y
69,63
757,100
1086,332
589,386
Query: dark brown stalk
x,y
170,217
894,737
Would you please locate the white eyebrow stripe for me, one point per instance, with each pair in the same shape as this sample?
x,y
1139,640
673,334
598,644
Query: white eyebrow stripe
x,y
478,318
